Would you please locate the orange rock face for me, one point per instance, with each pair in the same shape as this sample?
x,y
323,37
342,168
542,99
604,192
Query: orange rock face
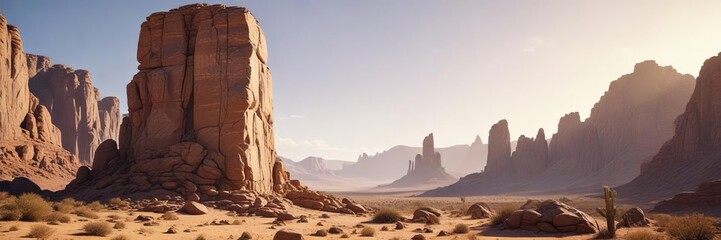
x,y
692,155
29,142
628,124
203,76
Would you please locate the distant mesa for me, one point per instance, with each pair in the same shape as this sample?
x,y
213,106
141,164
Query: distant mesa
x,y
628,124
29,141
691,157
74,103
425,171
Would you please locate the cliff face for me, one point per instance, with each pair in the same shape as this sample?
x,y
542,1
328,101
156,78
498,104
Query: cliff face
x,y
73,102
628,124
425,171
692,155
109,111
29,142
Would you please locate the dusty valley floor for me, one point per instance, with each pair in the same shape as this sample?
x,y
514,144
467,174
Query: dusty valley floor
x,y
194,226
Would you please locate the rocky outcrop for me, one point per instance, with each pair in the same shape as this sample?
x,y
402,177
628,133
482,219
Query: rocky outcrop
x,y
628,124
425,170
705,199
109,111
200,121
73,102
552,217
692,155
29,142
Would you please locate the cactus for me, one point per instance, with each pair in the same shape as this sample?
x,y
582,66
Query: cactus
x,y
610,211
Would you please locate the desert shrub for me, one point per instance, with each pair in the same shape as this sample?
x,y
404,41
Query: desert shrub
x,y
603,233
86,212
691,227
644,235
145,231
13,228
58,217
120,237
4,196
32,207
67,205
502,214
118,203
10,214
386,216
96,206
40,232
460,228
170,216
662,219
201,237
236,222
97,228
119,225
368,232
471,236
345,235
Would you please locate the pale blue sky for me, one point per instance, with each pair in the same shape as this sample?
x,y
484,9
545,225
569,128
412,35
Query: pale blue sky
x,y
355,76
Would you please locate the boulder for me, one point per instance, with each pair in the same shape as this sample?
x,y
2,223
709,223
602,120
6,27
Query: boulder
x,y
427,217
194,208
634,217
288,234
480,210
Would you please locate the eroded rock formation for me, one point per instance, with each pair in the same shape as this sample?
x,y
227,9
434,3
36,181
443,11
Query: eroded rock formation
x,y
628,124
425,170
200,121
72,100
692,156
29,142
705,199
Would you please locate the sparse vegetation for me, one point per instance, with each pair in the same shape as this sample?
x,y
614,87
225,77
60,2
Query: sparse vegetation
x,y
609,211
119,225
502,214
603,234
32,207
58,217
201,237
386,215
10,214
691,227
13,228
368,232
40,232
644,235
96,206
97,228
118,203
662,219
145,231
170,216
67,205
461,228
471,236
120,237
236,222
86,212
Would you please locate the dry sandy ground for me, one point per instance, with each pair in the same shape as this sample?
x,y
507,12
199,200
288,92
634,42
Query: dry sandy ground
x,y
260,228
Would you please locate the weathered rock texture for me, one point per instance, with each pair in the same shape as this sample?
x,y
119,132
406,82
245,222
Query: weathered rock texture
x,y
552,217
705,199
693,155
200,121
73,102
426,170
628,124
29,142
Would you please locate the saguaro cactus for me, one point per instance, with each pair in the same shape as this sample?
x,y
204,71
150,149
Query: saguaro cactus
x,y
610,211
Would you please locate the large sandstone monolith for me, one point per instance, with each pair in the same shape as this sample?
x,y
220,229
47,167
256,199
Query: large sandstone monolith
x,y
200,122
425,170
692,155
73,102
29,142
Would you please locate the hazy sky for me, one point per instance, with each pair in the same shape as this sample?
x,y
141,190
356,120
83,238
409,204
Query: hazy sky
x,y
363,76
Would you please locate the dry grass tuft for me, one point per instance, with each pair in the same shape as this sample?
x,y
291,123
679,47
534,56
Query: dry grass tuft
x,y
67,205
386,215
120,237
368,232
502,214
603,233
170,216
98,228
32,207
691,227
201,237
40,232
58,217
13,228
644,235
461,228
86,212
96,206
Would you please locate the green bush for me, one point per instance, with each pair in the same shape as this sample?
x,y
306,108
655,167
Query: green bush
x,y
386,216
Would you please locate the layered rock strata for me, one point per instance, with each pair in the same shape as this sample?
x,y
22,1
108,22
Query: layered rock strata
x,y
200,122
29,142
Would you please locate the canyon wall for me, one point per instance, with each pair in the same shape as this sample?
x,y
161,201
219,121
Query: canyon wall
x,y
29,141
425,171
